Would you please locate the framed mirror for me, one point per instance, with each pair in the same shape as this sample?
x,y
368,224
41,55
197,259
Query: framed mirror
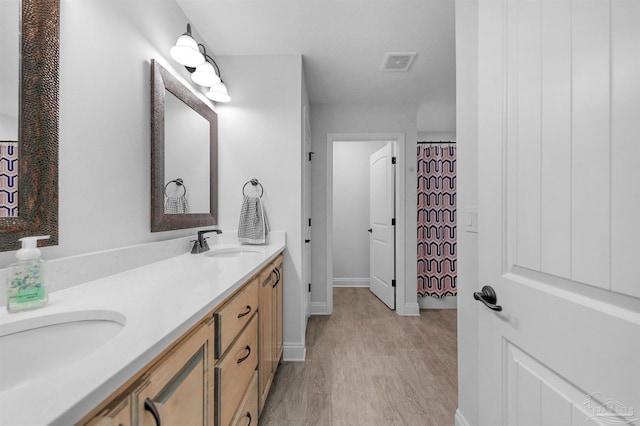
x,y
33,113
184,156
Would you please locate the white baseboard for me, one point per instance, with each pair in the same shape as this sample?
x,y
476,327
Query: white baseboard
x,y
460,420
319,308
410,310
351,282
293,352
448,302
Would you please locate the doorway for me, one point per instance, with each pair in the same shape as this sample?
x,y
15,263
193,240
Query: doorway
x,y
335,201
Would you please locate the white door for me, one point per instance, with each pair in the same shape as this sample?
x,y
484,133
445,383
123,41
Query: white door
x,y
306,216
382,216
559,191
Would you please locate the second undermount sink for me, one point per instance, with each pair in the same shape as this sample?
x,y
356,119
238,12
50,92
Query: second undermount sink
x,y
33,346
233,252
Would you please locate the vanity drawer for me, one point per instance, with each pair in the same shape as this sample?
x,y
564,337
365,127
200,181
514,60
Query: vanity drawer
x,y
234,372
247,414
234,315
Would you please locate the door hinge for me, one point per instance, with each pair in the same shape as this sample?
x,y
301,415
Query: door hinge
x,y
309,221
309,287
310,154
393,160
393,222
393,283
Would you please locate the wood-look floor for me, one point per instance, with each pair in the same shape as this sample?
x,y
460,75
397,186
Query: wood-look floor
x,y
367,366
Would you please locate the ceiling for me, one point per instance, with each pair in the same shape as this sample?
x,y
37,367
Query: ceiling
x,y
344,43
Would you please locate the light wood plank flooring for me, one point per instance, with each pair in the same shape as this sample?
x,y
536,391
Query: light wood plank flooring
x,y
367,366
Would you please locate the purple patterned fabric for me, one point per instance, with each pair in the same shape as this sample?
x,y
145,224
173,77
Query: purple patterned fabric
x,y
8,179
437,259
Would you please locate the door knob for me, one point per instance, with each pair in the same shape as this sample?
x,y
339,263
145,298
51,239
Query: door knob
x,y
488,297
370,230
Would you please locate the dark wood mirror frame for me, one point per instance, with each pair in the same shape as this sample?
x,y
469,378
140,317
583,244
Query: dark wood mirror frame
x,y
38,130
162,80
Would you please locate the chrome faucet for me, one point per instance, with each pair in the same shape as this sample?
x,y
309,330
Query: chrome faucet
x,y
200,245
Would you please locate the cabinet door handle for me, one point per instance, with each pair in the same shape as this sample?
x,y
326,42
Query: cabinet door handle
x,y
277,272
248,349
244,314
151,407
249,417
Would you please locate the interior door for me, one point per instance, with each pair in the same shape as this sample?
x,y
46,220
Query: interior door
x,y
382,218
559,191
306,197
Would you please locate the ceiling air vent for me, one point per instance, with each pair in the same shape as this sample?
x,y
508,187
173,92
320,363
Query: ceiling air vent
x,y
398,61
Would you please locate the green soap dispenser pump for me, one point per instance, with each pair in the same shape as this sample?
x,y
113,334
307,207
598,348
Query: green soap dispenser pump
x,y
26,284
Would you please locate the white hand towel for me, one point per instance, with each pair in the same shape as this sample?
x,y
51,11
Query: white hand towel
x,y
176,205
254,226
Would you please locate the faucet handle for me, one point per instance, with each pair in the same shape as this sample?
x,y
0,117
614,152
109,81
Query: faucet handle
x,y
196,247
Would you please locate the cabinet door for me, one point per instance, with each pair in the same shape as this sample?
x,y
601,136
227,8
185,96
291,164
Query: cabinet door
x,y
277,312
118,415
179,389
265,343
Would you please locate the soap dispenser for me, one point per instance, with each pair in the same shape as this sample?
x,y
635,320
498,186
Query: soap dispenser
x,y
26,284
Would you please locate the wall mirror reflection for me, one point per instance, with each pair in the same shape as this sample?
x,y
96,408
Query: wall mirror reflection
x,y
29,45
184,132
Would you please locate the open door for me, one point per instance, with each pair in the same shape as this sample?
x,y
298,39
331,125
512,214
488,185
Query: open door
x,y
382,220
559,102
306,198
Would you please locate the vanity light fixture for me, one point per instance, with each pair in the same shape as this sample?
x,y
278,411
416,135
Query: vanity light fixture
x,y
186,51
205,75
193,56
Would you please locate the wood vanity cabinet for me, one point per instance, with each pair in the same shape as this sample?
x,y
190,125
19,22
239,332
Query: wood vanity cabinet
x,y
271,283
219,373
175,390
179,389
118,414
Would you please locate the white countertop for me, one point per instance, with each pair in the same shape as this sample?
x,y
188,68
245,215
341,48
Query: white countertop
x,y
160,302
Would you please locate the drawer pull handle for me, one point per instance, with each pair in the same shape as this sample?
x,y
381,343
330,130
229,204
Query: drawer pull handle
x,y
277,272
244,314
151,407
249,417
248,349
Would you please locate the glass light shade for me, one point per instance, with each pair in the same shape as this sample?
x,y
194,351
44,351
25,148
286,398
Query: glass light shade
x,y
219,93
205,75
186,51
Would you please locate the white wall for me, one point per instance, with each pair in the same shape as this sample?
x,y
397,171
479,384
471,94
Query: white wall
x,y
360,119
467,192
260,137
351,211
104,142
427,136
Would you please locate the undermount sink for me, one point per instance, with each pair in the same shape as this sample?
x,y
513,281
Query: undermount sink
x,y
30,347
233,252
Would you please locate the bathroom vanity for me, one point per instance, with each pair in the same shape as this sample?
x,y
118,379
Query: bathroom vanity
x,y
197,340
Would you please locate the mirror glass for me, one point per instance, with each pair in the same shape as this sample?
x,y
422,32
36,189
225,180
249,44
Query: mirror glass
x,y
9,105
29,68
184,156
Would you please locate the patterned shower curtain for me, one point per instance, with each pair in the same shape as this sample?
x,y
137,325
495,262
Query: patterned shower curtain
x,y
437,260
8,179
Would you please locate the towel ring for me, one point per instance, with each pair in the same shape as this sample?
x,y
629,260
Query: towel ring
x,y
253,182
178,182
